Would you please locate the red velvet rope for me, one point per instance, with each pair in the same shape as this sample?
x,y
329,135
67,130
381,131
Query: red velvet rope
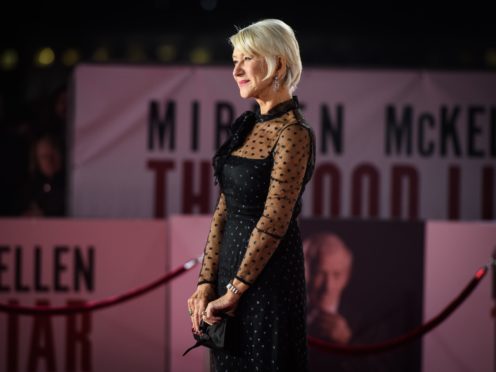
x,y
407,337
96,305
314,342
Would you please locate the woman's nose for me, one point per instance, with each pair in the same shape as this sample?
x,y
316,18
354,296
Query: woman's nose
x,y
237,71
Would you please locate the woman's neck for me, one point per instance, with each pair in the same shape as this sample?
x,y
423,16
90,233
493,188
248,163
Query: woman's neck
x,y
267,104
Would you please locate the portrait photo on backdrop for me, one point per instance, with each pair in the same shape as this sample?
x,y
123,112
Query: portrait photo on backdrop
x,y
364,285
329,261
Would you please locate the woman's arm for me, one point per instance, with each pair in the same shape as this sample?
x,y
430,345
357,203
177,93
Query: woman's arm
x,y
290,161
207,280
208,272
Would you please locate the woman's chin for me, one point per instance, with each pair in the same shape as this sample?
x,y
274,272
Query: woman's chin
x,y
245,93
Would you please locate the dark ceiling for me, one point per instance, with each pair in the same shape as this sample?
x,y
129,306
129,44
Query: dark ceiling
x,y
406,35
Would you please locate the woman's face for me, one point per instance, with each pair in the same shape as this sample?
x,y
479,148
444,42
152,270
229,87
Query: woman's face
x,y
249,72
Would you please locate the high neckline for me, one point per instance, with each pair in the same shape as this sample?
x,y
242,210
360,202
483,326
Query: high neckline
x,y
278,110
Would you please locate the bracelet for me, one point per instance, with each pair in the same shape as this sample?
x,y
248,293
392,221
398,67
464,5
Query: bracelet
x,y
204,281
233,289
242,280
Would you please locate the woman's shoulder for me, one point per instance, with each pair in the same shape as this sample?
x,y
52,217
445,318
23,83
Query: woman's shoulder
x,y
295,132
296,121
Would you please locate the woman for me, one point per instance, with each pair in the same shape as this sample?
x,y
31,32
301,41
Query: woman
x,y
253,262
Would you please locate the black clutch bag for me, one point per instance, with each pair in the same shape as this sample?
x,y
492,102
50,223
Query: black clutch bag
x,y
221,335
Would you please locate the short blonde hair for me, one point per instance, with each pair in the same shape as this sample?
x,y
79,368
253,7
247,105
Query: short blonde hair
x,y
271,38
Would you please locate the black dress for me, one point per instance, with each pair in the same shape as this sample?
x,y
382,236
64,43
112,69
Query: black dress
x,y
255,237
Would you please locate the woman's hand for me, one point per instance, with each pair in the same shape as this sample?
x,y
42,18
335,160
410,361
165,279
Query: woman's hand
x,y
197,304
225,304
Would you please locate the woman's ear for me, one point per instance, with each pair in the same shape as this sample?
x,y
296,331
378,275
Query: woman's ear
x,y
281,67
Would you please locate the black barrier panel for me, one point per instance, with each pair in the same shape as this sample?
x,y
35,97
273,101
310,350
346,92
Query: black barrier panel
x,y
365,284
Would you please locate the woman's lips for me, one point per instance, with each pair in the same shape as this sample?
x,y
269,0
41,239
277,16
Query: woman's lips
x,y
242,82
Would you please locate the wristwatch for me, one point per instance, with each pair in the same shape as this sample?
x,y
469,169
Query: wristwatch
x,y
232,288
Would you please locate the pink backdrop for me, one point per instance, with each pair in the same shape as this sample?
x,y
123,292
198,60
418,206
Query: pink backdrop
x,y
407,144
129,337
453,253
146,334
187,238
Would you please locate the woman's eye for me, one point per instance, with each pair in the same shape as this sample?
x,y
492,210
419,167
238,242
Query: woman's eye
x,y
248,58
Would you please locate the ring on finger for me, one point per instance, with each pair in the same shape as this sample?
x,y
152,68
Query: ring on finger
x,y
190,311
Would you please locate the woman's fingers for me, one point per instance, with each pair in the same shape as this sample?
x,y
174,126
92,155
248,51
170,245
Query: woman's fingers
x,y
210,311
199,308
190,306
197,317
194,313
196,321
191,311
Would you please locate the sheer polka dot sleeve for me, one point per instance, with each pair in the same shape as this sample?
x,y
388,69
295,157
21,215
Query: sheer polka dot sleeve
x,y
208,272
291,156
